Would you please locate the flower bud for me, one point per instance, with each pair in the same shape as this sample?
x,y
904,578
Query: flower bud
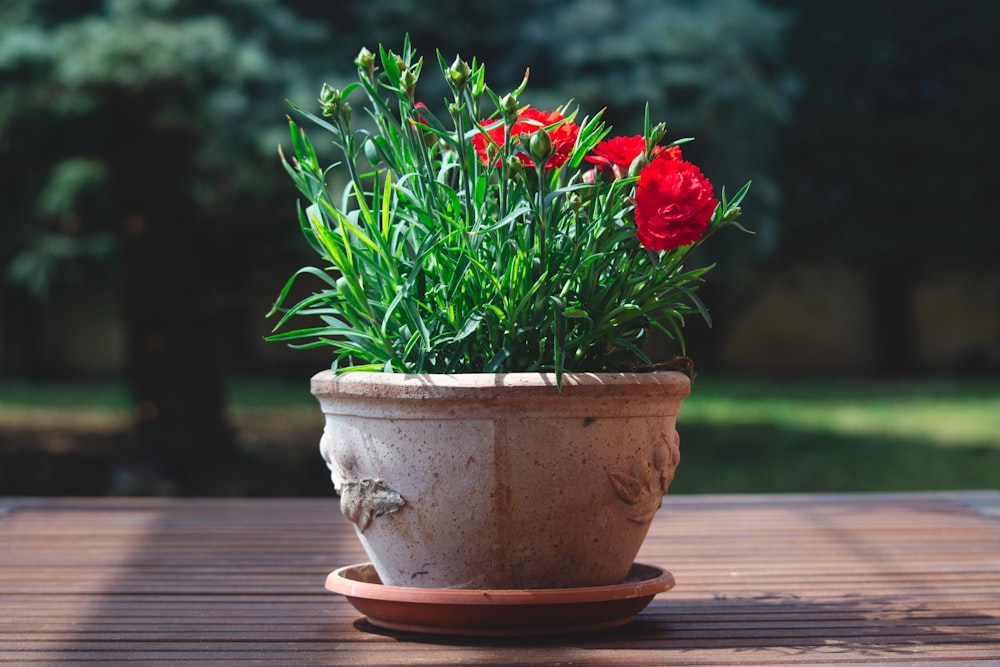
x,y
514,166
478,86
371,153
366,62
658,132
638,164
329,100
427,136
458,74
540,146
408,81
508,105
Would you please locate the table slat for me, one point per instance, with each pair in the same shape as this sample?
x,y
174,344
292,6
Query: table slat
x,y
796,579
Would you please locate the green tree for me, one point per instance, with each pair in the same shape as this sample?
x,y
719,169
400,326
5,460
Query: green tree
x,y
126,127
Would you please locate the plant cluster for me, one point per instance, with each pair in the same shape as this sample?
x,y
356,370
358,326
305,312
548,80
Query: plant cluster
x,y
492,236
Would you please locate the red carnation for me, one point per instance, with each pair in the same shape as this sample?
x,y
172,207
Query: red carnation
x,y
529,121
620,152
614,156
674,204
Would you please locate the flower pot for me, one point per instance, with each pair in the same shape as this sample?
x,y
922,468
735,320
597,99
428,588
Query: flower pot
x,y
501,481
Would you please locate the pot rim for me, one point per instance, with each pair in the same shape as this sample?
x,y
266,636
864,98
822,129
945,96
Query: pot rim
x,y
493,385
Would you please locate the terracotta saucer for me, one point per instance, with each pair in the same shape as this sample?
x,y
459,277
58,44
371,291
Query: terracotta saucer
x,y
447,611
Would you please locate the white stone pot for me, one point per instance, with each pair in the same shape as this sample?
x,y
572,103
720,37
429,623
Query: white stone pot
x,y
501,481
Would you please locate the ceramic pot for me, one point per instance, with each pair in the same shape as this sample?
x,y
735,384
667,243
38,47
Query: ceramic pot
x,y
501,481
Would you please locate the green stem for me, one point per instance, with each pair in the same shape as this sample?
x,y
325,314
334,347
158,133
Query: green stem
x,y
462,108
540,214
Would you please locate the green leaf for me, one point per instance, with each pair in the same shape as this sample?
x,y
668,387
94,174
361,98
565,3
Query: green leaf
x,y
697,303
470,327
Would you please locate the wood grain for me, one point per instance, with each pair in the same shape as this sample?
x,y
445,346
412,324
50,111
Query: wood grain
x,y
785,579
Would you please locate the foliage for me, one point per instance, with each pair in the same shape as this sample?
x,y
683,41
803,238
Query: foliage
x,y
79,78
484,240
128,125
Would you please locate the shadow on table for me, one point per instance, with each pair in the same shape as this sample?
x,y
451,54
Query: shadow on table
x,y
778,625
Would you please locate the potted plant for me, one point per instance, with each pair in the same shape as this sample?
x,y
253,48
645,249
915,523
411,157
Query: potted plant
x,y
490,274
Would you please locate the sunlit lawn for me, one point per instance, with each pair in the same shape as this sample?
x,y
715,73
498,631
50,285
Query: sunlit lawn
x,y
736,435
839,435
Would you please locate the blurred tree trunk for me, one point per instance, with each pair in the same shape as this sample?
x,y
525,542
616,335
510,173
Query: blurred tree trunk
x,y
21,352
173,372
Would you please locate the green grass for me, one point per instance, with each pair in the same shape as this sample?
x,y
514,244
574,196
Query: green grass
x,y
99,407
736,435
839,435
105,406
950,414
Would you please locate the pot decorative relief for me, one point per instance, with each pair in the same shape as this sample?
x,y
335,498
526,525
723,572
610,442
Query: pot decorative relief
x,y
480,481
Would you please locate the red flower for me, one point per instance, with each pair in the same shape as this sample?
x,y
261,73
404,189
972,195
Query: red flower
x,y
614,156
674,204
529,121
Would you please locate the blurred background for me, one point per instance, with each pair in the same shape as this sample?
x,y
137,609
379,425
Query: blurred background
x,y
146,226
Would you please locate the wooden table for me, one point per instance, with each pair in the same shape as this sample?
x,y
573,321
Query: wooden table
x,y
796,579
